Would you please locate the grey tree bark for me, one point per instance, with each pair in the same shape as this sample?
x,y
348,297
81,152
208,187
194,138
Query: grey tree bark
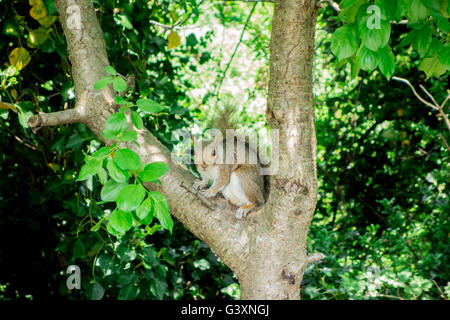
x,y
267,250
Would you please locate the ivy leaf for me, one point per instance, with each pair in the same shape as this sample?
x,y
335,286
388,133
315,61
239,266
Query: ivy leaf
x,y
344,42
387,62
149,106
110,190
154,171
38,10
117,122
19,57
119,84
97,226
367,59
158,288
103,82
137,120
161,210
144,212
119,222
116,173
90,168
130,197
128,292
127,159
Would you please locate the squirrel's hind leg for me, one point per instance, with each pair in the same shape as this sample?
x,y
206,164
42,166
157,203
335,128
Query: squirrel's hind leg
x,y
244,210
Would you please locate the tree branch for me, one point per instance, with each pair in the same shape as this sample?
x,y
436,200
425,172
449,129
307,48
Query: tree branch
x,y
87,52
8,106
434,105
54,119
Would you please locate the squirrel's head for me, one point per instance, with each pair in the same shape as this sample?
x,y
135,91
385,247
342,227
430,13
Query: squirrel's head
x,y
207,153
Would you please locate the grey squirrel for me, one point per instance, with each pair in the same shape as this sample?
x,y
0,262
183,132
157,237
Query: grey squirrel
x,y
240,182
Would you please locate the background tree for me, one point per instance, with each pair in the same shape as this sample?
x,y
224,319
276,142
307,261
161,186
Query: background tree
x,y
123,263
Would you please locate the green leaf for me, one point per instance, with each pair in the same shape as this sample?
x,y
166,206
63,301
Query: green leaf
x,y
96,291
158,288
102,176
116,173
442,23
110,190
119,84
102,153
408,39
74,142
97,226
123,20
128,136
417,11
350,9
119,222
344,42
137,120
154,171
422,39
127,159
367,59
161,210
109,135
149,106
110,70
144,212
444,55
130,197
432,67
387,62
149,256
374,38
355,68
128,292
117,122
121,101
90,168
102,83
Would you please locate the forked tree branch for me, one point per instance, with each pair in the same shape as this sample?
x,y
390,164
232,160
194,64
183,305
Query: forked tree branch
x,y
87,52
434,105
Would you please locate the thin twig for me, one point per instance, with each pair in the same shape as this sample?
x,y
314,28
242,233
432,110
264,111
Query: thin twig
x,y
415,92
235,50
201,197
428,94
440,291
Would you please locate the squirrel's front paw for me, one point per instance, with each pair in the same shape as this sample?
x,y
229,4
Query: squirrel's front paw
x,y
241,213
209,194
198,184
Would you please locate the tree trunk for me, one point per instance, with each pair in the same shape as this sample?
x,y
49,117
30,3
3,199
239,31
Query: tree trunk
x,y
267,250
278,246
